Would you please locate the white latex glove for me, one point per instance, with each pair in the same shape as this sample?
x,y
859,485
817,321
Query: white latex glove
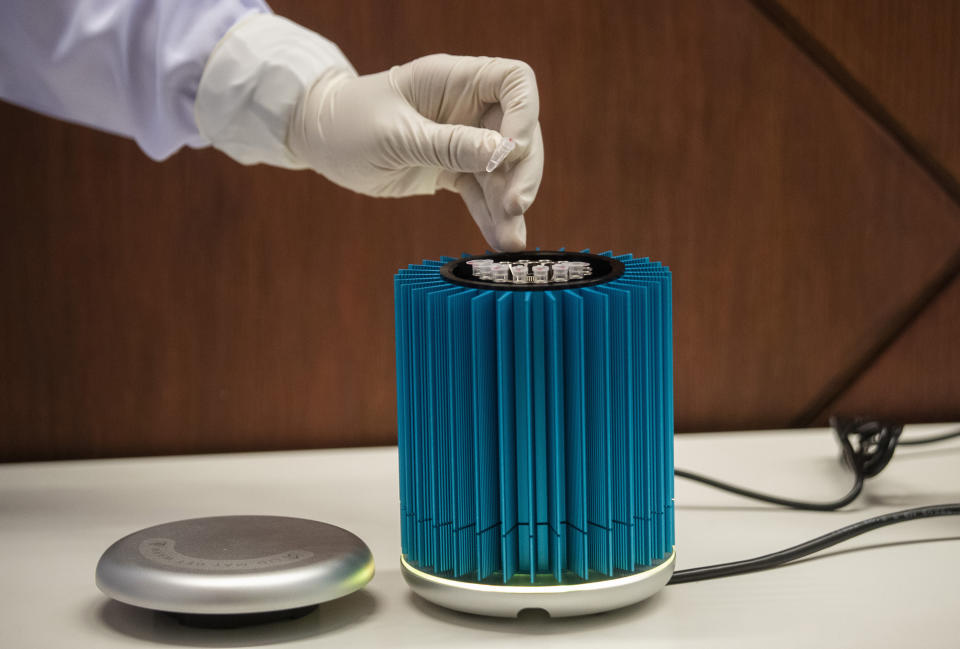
x,y
430,124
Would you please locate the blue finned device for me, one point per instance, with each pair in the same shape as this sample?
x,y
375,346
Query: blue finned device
x,y
535,426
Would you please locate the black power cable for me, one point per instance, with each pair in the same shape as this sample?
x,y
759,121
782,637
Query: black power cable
x,y
776,500
781,557
867,447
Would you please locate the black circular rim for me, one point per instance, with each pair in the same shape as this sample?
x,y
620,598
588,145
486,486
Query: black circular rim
x,y
605,269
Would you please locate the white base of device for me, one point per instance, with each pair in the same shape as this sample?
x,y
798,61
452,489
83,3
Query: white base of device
x,y
558,601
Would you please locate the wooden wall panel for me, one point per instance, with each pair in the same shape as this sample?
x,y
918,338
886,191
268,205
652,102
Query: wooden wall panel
x,y
916,378
197,305
906,54
900,58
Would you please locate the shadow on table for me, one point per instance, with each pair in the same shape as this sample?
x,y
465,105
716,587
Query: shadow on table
x,y
153,626
536,621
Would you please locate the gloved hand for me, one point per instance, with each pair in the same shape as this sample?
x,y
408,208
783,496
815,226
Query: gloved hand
x,y
430,124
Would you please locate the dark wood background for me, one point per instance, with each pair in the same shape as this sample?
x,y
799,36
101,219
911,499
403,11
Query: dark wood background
x,y
795,163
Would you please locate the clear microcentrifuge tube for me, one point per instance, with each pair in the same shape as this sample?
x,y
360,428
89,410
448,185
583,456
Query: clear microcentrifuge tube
x,y
540,274
519,272
499,272
561,271
479,265
501,152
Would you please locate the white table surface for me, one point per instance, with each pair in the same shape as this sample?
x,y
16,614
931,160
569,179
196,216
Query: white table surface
x,y
896,587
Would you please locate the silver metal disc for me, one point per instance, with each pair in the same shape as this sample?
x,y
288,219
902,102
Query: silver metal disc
x,y
558,601
234,565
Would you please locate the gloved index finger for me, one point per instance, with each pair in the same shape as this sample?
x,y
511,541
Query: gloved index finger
x,y
513,85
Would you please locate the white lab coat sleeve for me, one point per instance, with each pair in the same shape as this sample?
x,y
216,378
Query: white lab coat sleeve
x,y
130,67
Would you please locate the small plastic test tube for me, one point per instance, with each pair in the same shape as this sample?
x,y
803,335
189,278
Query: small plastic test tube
x,y
576,270
561,271
519,272
478,265
499,272
540,274
500,153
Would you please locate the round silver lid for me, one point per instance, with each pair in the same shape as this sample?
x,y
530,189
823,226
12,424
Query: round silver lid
x,y
234,565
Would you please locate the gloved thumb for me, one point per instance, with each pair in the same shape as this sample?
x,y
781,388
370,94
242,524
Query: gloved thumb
x,y
453,147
